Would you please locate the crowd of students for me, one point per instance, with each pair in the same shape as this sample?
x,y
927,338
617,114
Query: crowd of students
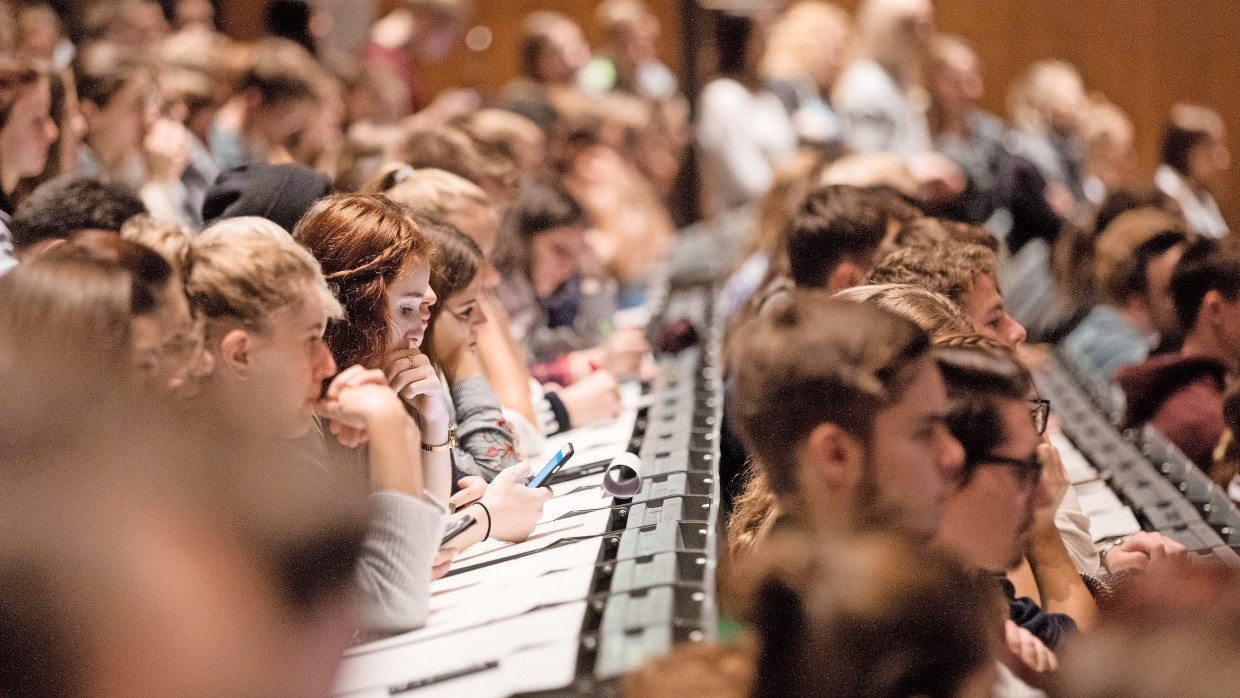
x,y
271,319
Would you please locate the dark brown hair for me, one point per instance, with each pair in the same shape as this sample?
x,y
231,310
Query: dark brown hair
x,y
15,78
809,360
456,263
364,242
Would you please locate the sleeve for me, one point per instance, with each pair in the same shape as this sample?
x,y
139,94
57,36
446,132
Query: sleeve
x,y
394,572
724,137
1050,628
1073,527
485,441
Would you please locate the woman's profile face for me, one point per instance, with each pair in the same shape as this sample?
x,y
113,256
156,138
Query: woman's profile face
x,y
410,298
464,306
29,131
556,257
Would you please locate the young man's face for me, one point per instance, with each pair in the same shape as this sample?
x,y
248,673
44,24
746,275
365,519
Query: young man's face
x,y
986,310
987,521
915,458
1158,297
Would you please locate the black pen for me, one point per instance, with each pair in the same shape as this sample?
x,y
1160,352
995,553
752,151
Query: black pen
x,y
449,676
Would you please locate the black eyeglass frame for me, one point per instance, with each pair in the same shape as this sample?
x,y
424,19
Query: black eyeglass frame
x,y
1028,470
1040,409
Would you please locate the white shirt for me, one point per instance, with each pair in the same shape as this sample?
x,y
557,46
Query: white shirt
x,y
877,115
743,137
1200,209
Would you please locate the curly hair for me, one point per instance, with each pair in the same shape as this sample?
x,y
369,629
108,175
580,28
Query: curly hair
x,y
950,269
364,243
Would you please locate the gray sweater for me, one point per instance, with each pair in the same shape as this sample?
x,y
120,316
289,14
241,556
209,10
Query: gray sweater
x,y
394,571
485,441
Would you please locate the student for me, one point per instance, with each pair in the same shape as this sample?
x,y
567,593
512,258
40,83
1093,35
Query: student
x,y
557,309
1048,108
629,59
377,255
26,133
66,205
743,131
534,409
836,237
275,98
552,52
381,260
971,137
1181,394
965,274
1194,158
930,628
808,51
1122,330
127,140
995,514
266,306
813,426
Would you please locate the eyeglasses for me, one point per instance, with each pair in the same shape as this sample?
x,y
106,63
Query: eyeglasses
x,y
1041,410
1028,471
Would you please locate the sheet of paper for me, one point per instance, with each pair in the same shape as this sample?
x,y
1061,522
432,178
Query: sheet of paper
x,y
594,498
1099,501
1116,522
399,664
468,608
579,554
1078,467
590,524
543,668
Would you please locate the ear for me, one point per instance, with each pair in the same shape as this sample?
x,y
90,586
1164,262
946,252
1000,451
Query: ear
x,y
237,353
1211,309
253,98
846,275
89,110
833,459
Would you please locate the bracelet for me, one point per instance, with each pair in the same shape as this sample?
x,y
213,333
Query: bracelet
x,y
488,511
445,445
1106,548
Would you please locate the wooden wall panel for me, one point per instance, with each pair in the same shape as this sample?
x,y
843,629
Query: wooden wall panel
x,y
1144,54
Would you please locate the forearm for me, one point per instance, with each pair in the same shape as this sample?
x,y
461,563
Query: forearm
x,y
482,431
394,444
505,370
1060,585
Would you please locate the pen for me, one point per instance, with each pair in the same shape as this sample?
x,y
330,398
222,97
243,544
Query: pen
x,y
448,676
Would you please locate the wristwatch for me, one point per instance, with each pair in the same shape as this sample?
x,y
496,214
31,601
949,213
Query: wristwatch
x,y
1106,548
445,446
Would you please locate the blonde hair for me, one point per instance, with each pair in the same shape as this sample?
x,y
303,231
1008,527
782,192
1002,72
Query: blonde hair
x,y
1031,100
880,25
247,273
170,240
797,43
440,194
933,312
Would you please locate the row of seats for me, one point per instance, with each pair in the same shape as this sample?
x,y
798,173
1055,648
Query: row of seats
x,y
1165,491
604,582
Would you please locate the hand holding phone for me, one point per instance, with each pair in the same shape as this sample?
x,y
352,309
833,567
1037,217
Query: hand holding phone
x,y
456,528
557,461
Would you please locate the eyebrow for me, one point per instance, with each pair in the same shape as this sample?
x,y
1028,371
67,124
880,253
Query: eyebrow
x,y
412,295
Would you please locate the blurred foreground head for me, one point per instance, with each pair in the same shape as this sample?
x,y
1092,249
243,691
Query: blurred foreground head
x,y
142,555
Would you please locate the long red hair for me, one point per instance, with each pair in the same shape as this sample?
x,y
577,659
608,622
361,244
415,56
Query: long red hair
x,y
363,242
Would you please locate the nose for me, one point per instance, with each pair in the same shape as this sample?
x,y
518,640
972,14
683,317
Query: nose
x,y
430,298
327,362
479,316
490,276
202,365
951,456
52,131
1015,332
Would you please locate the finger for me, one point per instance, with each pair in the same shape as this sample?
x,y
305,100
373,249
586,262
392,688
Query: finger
x,y
1157,554
425,386
342,379
1052,662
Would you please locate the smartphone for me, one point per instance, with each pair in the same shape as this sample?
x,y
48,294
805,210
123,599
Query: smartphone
x,y
557,461
457,528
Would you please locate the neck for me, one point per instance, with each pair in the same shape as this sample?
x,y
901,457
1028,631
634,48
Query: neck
x,y
1201,343
9,178
1136,316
